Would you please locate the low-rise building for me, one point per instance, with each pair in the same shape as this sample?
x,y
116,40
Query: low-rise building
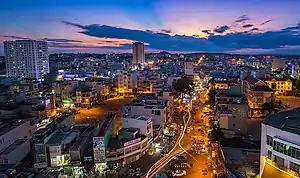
x,y
149,105
280,85
85,96
280,144
141,122
257,93
57,148
16,152
128,147
13,130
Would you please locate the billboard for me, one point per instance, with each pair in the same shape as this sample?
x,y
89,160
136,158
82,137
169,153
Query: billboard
x,y
99,149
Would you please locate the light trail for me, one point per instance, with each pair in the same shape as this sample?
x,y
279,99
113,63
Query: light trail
x,y
167,159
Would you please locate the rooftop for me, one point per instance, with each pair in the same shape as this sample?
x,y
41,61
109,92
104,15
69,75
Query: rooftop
x,y
131,129
261,88
288,121
13,146
8,125
105,124
137,117
57,138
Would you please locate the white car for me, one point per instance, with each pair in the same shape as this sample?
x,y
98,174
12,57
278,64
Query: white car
x,y
179,173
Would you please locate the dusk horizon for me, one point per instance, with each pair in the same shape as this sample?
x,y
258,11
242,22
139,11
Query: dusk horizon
x,y
271,27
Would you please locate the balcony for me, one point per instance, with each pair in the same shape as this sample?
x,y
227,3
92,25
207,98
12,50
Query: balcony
x,y
281,171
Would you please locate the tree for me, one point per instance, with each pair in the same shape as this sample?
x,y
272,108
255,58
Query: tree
x,y
270,107
211,97
216,134
183,85
297,87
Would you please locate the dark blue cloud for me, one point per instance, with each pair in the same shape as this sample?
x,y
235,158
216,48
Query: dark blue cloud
x,y
161,41
243,18
265,22
247,25
207,32
265,40
60,40
168,31
253,38
14,37
222,29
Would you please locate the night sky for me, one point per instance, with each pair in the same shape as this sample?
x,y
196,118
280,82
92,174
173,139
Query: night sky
x,y
232,26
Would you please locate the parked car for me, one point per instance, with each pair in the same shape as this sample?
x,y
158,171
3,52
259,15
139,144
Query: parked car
x,y
179,173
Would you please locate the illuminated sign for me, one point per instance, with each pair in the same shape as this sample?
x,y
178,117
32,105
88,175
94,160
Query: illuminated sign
x,y
132,142
99,149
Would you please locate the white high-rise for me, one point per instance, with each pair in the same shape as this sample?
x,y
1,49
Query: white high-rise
x,y
26,59
138,50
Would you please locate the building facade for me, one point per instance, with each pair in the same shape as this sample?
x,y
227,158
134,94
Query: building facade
x,y
26,59
280,144
138,51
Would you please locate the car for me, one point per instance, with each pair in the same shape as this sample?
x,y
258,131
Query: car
x,y
204,171
181,165
250,138
179,173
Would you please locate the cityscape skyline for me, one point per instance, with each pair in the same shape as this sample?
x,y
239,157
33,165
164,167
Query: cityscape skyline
x,y
271,27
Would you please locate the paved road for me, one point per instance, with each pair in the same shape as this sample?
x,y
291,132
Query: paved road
x,y
294,102
184,145
178,148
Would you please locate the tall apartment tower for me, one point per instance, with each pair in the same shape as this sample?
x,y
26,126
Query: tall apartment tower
x,y
26,59
138,50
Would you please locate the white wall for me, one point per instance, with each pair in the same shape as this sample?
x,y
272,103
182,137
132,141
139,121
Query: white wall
x,y
17,133
281,136
16,156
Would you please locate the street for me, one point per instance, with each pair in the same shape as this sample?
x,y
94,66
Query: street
x,y
201,166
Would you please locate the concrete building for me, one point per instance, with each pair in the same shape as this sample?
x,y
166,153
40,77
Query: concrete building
x,y
85,96
232,111
26,59
125,82
189,68
149,106
280,145
13,130
16,152
281,86
138,51
104,131
128,147
141,122
257,93
278,64
57,148
64,89
40,138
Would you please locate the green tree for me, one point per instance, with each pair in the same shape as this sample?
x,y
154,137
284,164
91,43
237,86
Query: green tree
x,y
183,85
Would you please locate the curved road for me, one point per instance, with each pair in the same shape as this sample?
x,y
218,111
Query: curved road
x,y
177,149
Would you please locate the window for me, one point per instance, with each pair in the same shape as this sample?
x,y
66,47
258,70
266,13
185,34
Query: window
x,y
269,140
294,167
270,154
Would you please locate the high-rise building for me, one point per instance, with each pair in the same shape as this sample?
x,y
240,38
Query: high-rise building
x,y
138,50
26,59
